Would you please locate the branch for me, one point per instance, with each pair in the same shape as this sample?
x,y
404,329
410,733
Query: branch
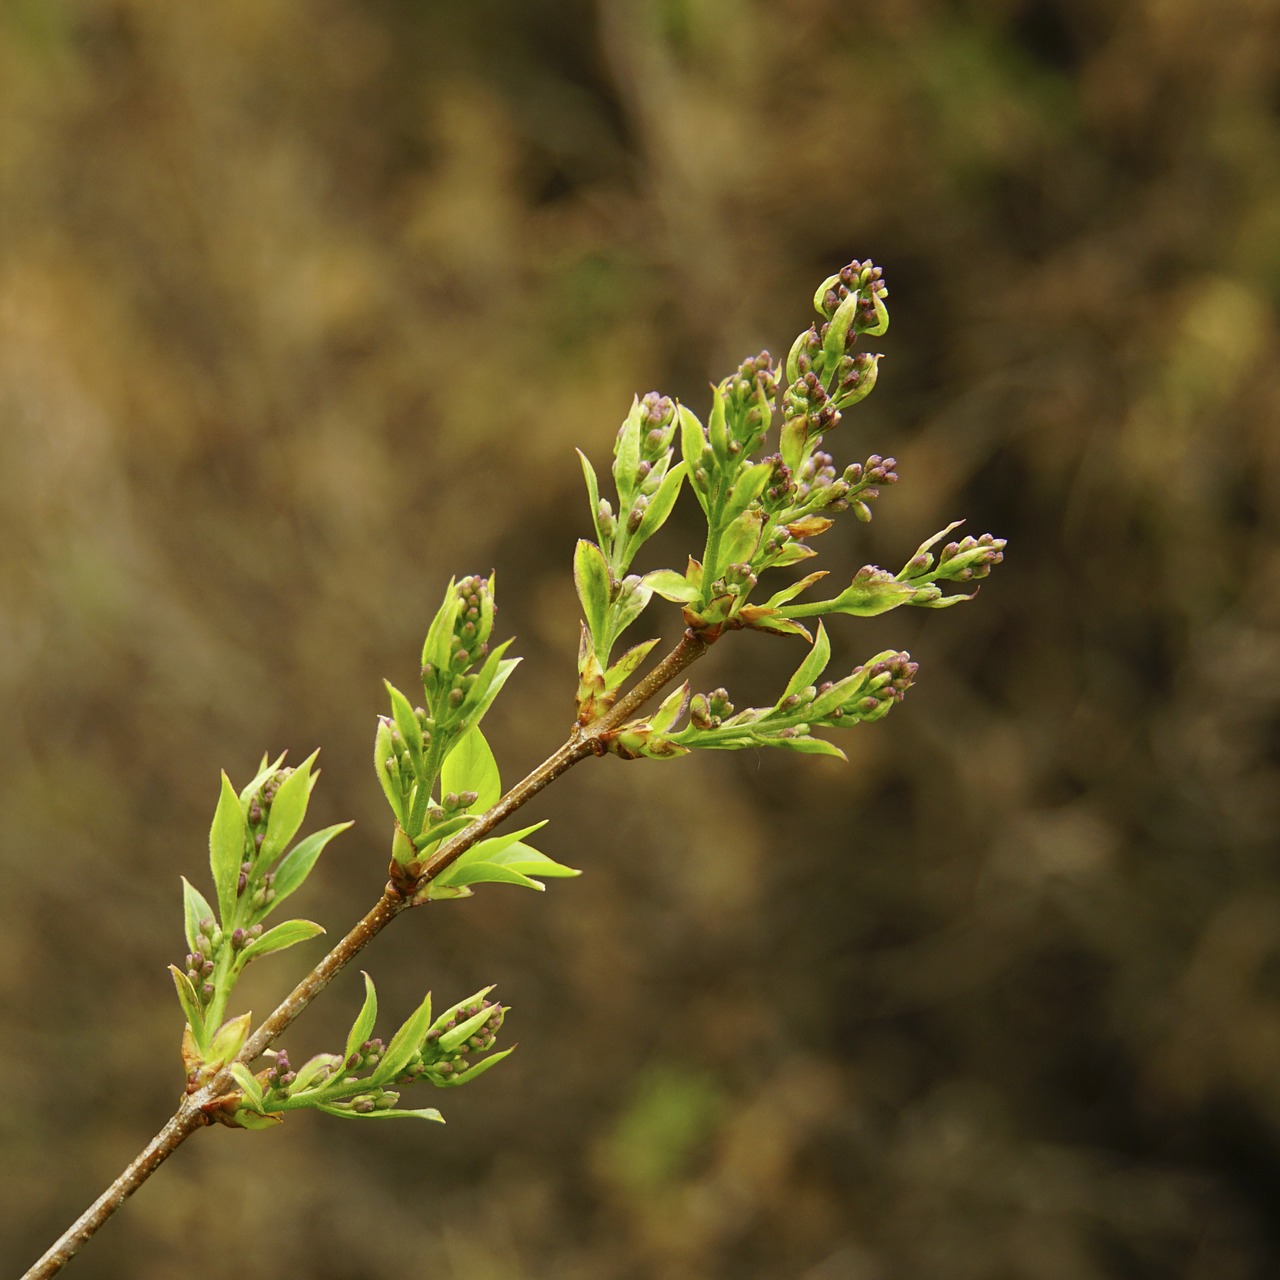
x,y
197,1110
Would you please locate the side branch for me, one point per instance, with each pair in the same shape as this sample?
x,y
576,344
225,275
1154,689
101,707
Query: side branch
x,y
197,1110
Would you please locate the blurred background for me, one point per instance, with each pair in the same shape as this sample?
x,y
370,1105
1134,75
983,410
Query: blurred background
x,y
304,305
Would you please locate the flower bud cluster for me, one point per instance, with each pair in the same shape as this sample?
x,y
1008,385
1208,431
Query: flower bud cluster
x,y
710,710
470,1027
749,396
970,558
258,812
865,482
961,561
241,938
862,278
280,1075
808,407
198,965
366,1057
474,623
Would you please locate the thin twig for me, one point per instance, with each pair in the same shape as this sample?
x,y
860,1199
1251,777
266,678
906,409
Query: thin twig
x,y
196,1110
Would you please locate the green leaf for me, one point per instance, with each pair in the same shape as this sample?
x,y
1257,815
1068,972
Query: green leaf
x,y
246,1118
626,455
226,849
296,865
450,1040
438,832
660,504
627,664
806,746
624,611
315,1069
490,849
792,590
591,576
384,750
837,331
249,1084
392,1113
741,539
593,494
406,722
489,681
792,553
405,1044
264,772
436,649
287,811
717,432
812,667
283,936
229,1039
470,766
194,909
692,444
487,873
476,1069
746,489
671,585
363,1025
190,1005
530,862
672,708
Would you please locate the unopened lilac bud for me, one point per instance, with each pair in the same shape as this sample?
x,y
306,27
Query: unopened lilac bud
x,y
636,515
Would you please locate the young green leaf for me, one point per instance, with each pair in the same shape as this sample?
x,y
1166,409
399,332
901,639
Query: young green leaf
x,y
287,811
226,849
405,1044
741,539
528,861
470,766
671,585
436,647
660,505
591,576
229,1039
391,1113
627,664
265,771
464,874
387,769
249,1084
806,746
746,489
593,495
489,681
190,1005
296,865
362,1027
455,1036
283,936
812,667
488,850
693,445
476,1069
315,1072
195,909
672,708
406,722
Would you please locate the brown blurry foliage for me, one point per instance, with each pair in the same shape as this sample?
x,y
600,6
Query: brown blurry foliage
x,y
303,306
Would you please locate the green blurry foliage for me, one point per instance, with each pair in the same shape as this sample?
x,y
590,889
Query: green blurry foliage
x,y
247,253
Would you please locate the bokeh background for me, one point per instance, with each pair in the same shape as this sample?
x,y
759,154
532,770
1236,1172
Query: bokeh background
x,y
304,305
